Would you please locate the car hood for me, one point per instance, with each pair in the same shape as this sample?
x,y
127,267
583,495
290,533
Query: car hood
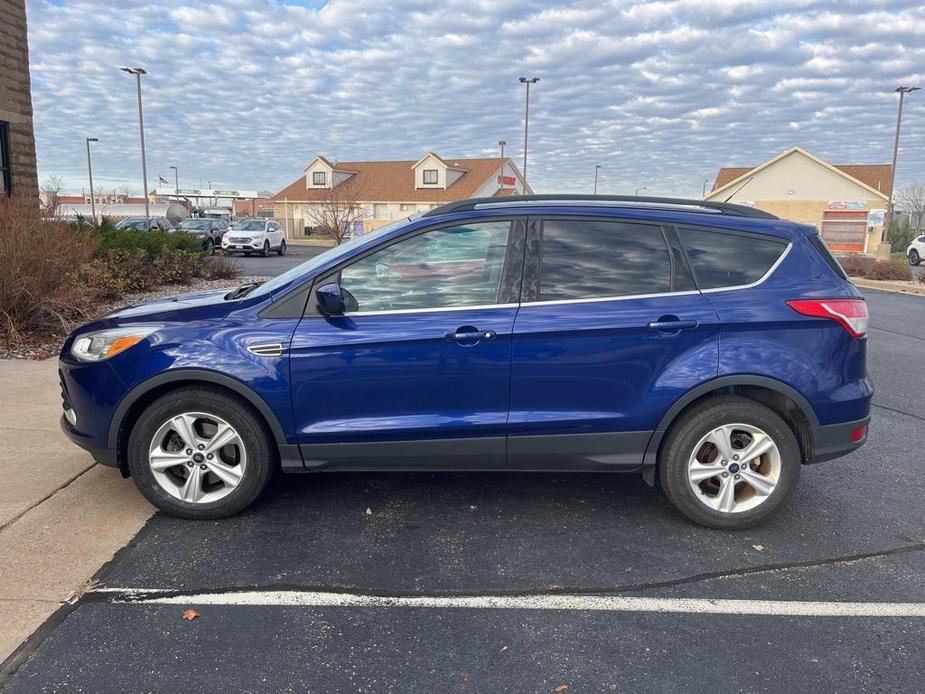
x,y
205,304
245,234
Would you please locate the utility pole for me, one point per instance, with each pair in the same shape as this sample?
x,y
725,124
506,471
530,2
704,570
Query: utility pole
x,y
528,82
176,180
888,218
703,193
138,72
90,172
597,167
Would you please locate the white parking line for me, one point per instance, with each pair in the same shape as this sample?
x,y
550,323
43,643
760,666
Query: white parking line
x,y
293,598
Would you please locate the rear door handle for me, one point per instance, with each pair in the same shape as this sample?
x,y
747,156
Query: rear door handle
x,y
672,325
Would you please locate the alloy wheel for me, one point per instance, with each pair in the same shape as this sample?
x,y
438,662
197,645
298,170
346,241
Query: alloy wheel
x,y
197,457
734,468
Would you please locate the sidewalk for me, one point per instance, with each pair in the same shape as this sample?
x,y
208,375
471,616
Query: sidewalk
x,y
61,515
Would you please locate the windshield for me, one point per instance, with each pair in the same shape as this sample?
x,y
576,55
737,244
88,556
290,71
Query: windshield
x,y
330,254
132,224
194,224
249,226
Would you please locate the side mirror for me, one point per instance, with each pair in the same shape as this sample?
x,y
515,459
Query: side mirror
x,y
330,299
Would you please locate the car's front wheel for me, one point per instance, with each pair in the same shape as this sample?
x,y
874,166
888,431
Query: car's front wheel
x,y
265,251
729,462
282,248
200,453
914,257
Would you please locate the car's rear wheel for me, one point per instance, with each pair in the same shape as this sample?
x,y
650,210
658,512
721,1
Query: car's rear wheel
x,y
282,248
265,251
200,453
914,257
729,462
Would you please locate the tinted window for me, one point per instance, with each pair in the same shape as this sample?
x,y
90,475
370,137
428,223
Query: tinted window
x,y
587,259
250,226
728,260
454,266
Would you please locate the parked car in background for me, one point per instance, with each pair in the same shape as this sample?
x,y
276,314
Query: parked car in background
x,y
142,224
209,230
712,346
916,250
250,236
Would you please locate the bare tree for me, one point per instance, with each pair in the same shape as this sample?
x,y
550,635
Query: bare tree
x,y
911,199
337,211
51,193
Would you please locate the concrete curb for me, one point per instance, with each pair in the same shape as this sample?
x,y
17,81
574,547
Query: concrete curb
x,y
885,286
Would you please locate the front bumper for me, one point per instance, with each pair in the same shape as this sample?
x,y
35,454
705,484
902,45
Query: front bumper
x,y
836,440
104,456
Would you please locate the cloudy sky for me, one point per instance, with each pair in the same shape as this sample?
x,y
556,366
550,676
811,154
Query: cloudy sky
x,y
245,92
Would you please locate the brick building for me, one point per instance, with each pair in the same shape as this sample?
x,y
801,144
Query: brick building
x,y
17,140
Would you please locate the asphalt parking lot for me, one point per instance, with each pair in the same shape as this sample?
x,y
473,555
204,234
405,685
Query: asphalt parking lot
x,y
526,583
272,265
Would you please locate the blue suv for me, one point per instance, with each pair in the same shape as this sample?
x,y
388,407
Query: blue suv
x,y
713,347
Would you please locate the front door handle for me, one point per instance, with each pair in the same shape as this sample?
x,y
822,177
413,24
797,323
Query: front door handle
x,y
672,325
469,335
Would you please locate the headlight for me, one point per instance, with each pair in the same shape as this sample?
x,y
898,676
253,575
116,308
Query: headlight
x,y
108,343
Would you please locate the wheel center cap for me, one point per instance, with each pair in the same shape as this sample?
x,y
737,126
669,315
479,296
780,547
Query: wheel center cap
x,y
198,457
734,468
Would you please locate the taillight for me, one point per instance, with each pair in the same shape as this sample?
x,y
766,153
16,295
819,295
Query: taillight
x,y
851,314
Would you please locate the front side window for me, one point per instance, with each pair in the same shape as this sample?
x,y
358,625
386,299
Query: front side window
x,y
319,178
6,176
444,268
430,177
588,259
728,260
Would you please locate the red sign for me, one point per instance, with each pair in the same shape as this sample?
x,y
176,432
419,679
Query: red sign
x,y
507,180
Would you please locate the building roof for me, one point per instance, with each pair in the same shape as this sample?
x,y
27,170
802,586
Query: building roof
x,y
393,181
876,176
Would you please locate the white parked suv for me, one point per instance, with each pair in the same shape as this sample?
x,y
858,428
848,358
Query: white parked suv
x,y
254,236
916,250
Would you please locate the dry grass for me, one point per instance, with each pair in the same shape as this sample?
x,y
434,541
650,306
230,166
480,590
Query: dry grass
x,y
39,262
873,269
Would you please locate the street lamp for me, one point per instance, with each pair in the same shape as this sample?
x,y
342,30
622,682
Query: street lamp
x,y
703,193
138,72
90,172
501,143
902,91
528,82
597,167
176,179
638,189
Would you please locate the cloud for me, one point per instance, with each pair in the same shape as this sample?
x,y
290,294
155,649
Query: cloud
x,y
660,94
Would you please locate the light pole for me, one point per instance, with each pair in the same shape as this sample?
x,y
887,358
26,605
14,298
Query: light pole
x,y
597,167
90,172
636,194
176,179
501,143
138,72
703,193
528,82
902,91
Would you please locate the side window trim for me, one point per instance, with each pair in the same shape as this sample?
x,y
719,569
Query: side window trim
x,y
518,225
534,257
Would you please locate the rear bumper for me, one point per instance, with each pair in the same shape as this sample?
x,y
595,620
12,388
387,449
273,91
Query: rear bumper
x,y
835,440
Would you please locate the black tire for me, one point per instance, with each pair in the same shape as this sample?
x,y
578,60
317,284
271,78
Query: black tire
x,y
696,423
261,454
265,251
281,251
914,257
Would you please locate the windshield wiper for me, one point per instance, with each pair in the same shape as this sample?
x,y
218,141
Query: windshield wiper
x,y
243,290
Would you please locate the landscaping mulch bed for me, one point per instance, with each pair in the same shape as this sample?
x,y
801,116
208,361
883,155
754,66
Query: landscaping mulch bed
x,y
43,346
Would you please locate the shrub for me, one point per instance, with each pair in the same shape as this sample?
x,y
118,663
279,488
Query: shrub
x,y
177,266
873,269
151,242
221,267
900,235
39,291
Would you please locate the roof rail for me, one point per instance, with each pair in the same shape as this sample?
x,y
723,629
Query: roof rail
x,y
626,200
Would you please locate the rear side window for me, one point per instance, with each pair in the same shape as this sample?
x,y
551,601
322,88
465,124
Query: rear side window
x,y
827,256
586,259
728,260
